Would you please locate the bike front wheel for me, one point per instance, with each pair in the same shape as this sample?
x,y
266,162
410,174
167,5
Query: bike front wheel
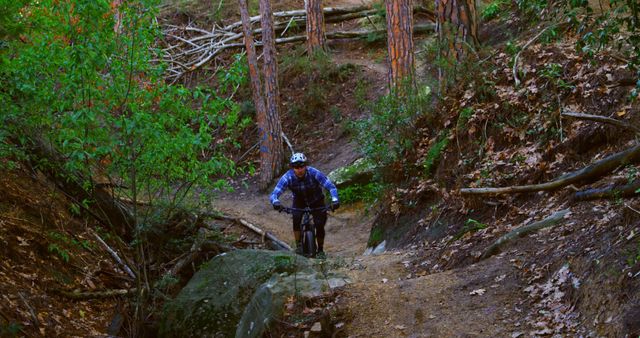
x,y
309,244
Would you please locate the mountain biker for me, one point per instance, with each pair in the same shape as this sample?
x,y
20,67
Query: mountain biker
x,y
306,183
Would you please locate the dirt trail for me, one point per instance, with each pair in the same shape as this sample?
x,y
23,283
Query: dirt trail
x,y
385,298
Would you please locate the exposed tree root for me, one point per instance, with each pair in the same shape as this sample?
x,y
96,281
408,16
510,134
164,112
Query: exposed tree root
x,y
627,190
522,231
603,119
586,174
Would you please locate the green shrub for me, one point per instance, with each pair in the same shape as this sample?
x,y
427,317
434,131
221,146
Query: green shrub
x,y
494,9
368,193
435,152
471,225
389,130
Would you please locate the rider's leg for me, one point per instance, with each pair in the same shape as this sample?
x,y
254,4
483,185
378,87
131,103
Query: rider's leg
x,y
320,219
297,232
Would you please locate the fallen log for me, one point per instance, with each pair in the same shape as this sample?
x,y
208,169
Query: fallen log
x,y
85,295
199,246
586,174
602,119
522,231
279,244
619,191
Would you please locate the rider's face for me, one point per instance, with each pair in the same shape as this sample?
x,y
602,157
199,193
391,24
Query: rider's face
x,y
299,171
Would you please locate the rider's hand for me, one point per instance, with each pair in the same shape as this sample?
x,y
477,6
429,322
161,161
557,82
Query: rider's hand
x,y
335,205
277,206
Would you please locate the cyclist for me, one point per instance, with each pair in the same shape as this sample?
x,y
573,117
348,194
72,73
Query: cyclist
x,y
306,183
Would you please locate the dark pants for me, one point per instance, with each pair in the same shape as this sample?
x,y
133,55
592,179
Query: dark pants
x,y
319,216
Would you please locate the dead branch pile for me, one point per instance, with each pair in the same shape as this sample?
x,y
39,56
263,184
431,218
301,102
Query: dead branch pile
x,y
189,48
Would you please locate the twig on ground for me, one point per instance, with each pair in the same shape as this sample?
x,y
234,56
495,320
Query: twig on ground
x,y
522,231
603,119
115,256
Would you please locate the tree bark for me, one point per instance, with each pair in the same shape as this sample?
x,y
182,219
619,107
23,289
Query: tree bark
x,y
315,26
256,84
108,210
457,27
400,43
271,135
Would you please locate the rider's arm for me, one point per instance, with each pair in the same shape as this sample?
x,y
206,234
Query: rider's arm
x,y
282,185
325,182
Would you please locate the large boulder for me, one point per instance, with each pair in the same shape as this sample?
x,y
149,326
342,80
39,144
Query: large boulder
x,y
359,172
251,285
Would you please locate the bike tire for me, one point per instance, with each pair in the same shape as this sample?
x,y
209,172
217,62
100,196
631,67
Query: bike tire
x,y
309,244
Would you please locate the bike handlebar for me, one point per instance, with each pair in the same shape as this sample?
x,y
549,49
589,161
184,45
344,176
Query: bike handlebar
x,y
307,209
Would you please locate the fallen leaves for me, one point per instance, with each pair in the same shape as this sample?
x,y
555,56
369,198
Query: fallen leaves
x,y
477,292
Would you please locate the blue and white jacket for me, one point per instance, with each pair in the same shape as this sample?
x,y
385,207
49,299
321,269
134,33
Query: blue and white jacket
x,y
307,189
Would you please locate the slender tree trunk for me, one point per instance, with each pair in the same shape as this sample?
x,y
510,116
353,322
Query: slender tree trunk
x,y
272,135
315,26
457,27
117,16
400,43
256,88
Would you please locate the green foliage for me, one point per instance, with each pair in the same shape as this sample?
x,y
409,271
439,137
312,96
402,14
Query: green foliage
x,y
471,225
463,117
375,237
100,98
633,257
389,130
494,9
553,72
61,243
166,282
435,151
368,193
62,253
531,8
616,25
11,329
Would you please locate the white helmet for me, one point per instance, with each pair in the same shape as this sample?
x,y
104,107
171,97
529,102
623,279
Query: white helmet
x,y
298,158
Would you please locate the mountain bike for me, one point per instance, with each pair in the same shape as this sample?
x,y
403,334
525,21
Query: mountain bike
x,y
307,229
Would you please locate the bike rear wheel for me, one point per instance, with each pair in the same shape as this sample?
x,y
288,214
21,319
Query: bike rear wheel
x,y
309,244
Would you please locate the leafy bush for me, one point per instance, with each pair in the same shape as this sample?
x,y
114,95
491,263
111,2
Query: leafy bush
x,y
368,193
389,130
99,97
435,151
493,10
616,25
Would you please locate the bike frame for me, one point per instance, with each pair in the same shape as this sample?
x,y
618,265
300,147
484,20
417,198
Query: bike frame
x,y
307,229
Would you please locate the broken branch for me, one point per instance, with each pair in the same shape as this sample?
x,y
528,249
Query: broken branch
x,y
522,231
602,119
586,174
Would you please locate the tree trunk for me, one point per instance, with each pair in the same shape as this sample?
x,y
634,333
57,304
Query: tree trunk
x,y
400,43
105,208
271,136
256,84
457,27
117,16
315,26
